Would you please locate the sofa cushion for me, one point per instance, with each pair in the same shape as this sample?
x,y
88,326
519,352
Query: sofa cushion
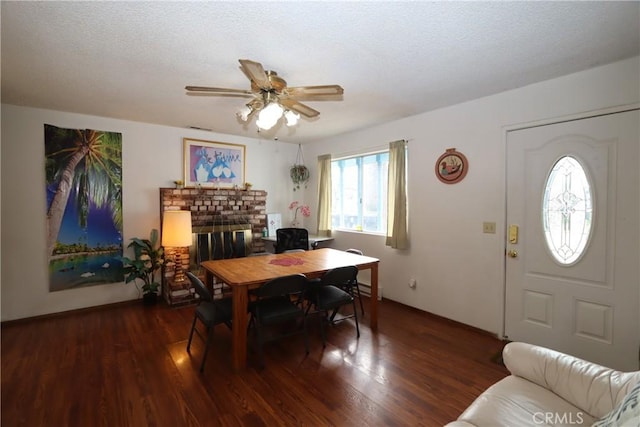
x,y
594,388
515,401
626,414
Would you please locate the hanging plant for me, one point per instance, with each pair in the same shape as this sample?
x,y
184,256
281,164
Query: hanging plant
x,y
299,173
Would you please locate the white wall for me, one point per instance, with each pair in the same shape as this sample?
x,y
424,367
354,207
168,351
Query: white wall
x,y
460,270
152,158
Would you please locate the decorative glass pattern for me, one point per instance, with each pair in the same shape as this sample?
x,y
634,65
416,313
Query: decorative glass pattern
x,y
567,211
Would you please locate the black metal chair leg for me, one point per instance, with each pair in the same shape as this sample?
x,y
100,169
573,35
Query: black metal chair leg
x,y
193,327
322,333
355,316
260,345
360,299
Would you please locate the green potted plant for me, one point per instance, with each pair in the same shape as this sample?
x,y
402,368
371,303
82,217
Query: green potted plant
x,y
299,175
148,258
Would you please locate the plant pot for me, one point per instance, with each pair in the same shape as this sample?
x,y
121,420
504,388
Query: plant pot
x,y
150,298
299,175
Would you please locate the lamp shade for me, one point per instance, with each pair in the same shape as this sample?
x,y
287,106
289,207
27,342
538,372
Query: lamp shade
x,y
245,112
292,118
269,116
176,228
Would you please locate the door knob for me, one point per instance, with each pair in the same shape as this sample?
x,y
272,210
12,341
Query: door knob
x,y
513,253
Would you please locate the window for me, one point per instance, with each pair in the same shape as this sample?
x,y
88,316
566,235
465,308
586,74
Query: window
x,y
567,211
359,192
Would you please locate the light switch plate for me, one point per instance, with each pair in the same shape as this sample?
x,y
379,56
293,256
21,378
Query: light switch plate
x,y
489,227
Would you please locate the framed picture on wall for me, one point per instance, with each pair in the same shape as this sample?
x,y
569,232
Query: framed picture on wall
x,y
452,166
213,164
274,221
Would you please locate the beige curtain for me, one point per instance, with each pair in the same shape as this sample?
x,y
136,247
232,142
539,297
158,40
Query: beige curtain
x,y
397,234
324,195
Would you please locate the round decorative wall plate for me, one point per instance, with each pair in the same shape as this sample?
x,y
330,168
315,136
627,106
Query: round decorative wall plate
x,y
452,166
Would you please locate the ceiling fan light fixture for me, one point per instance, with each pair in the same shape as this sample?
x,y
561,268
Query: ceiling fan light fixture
x,y
269,116
292,117
244,112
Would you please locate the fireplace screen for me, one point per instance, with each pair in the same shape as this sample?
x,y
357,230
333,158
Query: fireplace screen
x,y
219,242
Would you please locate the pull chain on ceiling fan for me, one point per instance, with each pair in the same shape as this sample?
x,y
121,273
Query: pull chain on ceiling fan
x,y
272,99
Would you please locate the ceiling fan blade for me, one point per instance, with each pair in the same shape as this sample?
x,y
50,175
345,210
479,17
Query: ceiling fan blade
x,y
218,90
311,91
255,73
296,106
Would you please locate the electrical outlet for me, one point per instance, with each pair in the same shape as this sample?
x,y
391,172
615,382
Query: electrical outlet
x,y
489,227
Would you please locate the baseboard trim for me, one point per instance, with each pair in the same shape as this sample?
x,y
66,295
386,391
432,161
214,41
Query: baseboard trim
x,y
365,288
70,312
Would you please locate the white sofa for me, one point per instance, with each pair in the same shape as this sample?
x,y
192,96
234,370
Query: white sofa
x,y
548,388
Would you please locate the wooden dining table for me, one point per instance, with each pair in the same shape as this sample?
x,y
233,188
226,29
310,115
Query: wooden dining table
x,y
242,274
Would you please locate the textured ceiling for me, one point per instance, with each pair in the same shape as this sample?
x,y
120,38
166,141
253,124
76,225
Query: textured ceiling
x,y
132,60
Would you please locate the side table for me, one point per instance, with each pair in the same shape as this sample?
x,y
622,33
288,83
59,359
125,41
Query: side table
x,y
178,293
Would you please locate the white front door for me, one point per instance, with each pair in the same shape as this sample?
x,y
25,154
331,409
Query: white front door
x,y
573,227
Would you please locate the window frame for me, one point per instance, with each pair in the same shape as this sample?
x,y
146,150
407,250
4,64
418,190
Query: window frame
x,y
382,181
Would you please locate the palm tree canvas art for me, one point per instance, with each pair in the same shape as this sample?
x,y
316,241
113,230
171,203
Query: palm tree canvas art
x,y
84,207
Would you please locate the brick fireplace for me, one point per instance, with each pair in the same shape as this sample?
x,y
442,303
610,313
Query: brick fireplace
x,y
226,224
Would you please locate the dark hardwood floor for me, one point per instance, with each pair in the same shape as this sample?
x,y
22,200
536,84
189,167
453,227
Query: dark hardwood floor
x,y
126,365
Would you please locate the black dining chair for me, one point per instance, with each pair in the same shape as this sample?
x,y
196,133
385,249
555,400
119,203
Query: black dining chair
x,y
291,238
326,295
210,312
354,288
277,302
293,251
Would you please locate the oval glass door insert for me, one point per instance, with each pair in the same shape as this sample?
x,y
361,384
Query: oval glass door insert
x,y
567,211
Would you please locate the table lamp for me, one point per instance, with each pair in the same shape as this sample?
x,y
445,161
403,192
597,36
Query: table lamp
x,y
176,233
